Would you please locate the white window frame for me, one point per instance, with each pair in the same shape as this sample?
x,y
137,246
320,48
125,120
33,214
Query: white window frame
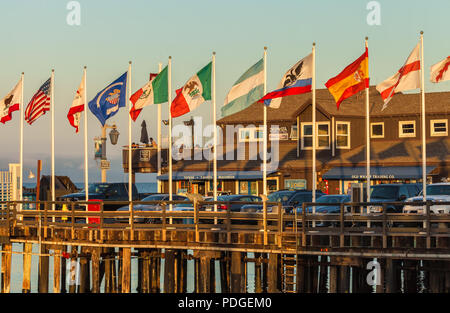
x,y
436,134
400,129
253,131
302,125
348,135
371,130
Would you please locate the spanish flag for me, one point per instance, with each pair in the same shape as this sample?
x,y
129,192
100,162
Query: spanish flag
x,y
351,80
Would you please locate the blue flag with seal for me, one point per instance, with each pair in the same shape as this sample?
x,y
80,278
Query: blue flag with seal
x,y
108,101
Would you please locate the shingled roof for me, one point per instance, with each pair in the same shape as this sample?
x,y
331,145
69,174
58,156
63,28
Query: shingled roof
x,y
291,106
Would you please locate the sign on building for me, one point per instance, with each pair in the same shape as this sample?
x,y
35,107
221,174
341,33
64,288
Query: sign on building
x,y
295,184
105,164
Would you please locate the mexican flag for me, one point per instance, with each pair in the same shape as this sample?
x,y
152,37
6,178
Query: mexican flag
x,y
196,91
154,92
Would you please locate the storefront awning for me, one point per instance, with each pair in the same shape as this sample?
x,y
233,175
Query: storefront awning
x,y
222,175
377,172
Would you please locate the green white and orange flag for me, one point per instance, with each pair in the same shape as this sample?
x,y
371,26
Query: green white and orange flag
x,y
351,80
196,91
154,92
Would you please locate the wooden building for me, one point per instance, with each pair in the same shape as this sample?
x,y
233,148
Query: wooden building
x,y
395,145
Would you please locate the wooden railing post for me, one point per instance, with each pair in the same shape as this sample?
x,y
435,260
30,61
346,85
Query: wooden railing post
x,y
101,221
384,227
428,224
72,209
304,224
280,224
265,221
45,219
164,221
341,222
131,220
197,234
228,223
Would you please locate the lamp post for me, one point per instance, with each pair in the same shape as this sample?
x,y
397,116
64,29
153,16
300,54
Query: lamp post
x,y
114,137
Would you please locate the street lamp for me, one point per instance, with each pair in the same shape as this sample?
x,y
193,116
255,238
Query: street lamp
x,y
114,136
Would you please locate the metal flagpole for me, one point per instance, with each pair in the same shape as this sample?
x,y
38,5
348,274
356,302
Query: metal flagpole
x,y
52,110
130,165
367,133
86,173
314,174
265,127
169,101
215,131
158,139
21,142
424,145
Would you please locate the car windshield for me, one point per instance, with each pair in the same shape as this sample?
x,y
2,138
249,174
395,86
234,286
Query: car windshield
x,y
438,190
282,196
331,199
154,198
384,192
97,188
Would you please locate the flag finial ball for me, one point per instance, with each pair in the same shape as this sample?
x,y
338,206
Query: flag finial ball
x,y
214,52
129,62
367,38
85,67
53,70
421,32
23,73
265,48
170,57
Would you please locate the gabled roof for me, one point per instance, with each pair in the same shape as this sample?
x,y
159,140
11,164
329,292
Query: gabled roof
x,y
291,106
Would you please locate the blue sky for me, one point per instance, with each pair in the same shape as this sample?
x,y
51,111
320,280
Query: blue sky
x,y
36,38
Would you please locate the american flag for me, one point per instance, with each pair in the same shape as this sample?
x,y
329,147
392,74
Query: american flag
x,y
39,104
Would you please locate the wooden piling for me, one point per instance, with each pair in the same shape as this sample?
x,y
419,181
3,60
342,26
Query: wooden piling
x,y
236,272
26,282
169,281
258,285
74,276
43,270
63,270
272,274
57,270
126,270
6,268
95,259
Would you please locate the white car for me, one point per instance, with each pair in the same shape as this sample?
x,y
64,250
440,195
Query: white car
x,y
439,192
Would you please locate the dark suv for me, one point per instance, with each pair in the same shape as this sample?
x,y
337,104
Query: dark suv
x,y
392,193
288,199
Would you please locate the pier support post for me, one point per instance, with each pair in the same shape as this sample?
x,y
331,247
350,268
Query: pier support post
x,y
169,268
95,269
323,278
236,272
145,271
74,276
43,270
392,274
26,283
333,279
126,270
57,270
258,286
224,272
273,273
85,280
6,268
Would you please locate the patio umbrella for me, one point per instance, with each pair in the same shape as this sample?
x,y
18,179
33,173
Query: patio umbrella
x,y
144,134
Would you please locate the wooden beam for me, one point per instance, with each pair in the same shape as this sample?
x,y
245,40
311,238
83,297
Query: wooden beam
x,y
169,282
57,270
6,268
126,270
95,259
26,282
43,270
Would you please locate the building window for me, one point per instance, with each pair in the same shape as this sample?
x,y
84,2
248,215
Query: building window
x,y
439,127
407,129
251,134
323,135
377,130
343,135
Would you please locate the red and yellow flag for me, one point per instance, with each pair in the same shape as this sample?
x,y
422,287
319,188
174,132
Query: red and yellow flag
x,y
351,80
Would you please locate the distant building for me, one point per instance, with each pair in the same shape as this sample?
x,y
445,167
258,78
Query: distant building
x,y
395,145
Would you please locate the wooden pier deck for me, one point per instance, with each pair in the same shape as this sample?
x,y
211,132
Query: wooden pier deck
x,y
290,252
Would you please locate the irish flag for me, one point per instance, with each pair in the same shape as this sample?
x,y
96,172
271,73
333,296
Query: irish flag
x,y
196,91
154,92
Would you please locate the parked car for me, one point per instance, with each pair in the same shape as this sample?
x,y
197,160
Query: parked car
x,y
148,207
234,207
391,193
106,192
324,209
288,199
439,192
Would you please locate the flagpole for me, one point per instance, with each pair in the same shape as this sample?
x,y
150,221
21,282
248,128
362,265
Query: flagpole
x,y
158,139
265,127
86,169
169,101
314,174
21,142
424,145
52,110
367,132
215,130
130,165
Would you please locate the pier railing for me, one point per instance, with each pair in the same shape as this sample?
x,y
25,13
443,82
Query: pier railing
x,y
290,227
